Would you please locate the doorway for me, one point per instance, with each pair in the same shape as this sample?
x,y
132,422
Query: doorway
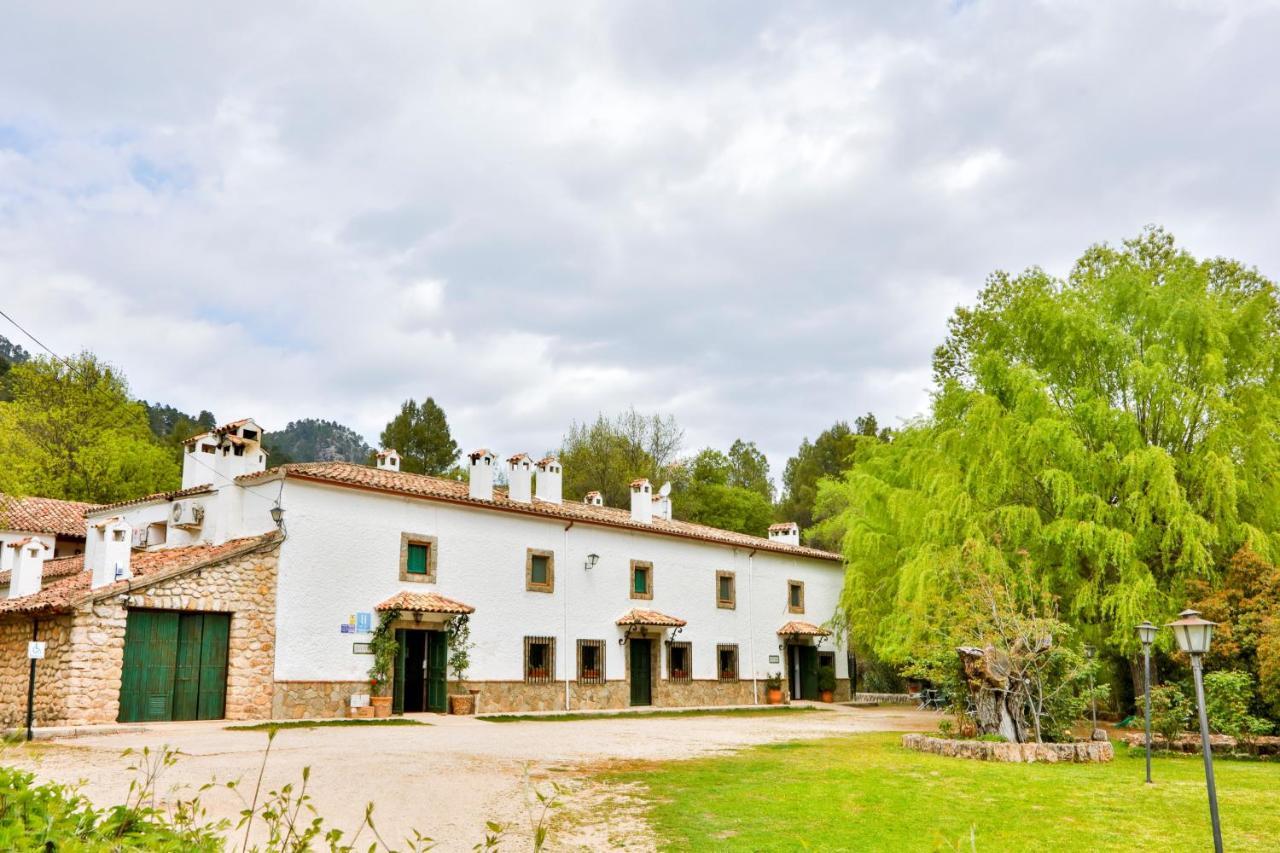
x,y
641,672
802,671
175,666
421,661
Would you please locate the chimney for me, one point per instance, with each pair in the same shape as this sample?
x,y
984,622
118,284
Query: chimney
x,y
641,501
662,507
110,559
549,478
520,478
481,474
786,533
7,556
28,566
388,460
593,499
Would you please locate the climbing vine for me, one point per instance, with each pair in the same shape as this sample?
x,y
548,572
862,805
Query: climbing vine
x,y
384,648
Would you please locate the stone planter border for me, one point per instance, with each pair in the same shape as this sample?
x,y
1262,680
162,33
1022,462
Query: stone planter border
x,y
980,750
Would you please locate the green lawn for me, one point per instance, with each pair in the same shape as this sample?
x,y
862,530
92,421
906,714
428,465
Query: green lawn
x,y
865,792
316,724
648,715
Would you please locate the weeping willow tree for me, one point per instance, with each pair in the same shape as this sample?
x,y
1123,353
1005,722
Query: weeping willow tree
x,y
1116,430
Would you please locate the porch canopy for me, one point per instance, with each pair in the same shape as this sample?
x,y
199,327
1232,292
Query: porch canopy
x,y
649,619
424,602
802,629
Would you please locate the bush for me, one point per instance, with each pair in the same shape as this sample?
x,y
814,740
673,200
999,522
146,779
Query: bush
x,y
1227,697
1170,711
826,678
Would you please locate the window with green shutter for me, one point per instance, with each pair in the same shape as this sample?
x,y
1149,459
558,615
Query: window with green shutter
x,y
539,570
417,558
641,579
418,553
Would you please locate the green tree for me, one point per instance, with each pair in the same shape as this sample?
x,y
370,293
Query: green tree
x,y
708,491
10,354
828,456
315,440
1116,428
72,432
420,433
607,454
749,469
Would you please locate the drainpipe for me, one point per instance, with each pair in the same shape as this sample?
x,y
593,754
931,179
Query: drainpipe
x,y
31,680
751,624
564,580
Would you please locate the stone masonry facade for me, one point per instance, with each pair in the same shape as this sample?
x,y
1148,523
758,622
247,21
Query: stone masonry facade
x,y
50,700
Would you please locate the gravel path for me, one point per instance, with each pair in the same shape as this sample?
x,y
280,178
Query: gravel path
x,y
447,778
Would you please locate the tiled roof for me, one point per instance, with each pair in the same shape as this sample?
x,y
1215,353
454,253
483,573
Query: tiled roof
x,y
650,618
802,629
206,488
424,602
58,568
785,525
222,430
73,585
452,491
44,515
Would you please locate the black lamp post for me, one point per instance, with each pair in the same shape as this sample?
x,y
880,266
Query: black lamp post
x,y
1147,634
1194,635
1089,652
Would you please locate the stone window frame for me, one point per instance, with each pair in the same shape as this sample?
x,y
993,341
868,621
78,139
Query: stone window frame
x,y
730,603
529,585
600,647
549,675
688,662
793,585
737,662
432,543
647,595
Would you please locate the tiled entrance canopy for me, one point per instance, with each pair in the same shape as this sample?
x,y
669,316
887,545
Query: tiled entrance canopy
x,y
802,629
424,602
649,619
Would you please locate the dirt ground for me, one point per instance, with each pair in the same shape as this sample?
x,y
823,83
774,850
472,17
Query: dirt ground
x,y
445,779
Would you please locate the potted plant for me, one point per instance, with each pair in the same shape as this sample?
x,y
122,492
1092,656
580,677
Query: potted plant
x,y
827,683
773,688
384,647
462,701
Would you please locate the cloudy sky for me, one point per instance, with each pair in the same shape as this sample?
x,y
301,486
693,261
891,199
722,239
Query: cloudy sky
x,y
755,216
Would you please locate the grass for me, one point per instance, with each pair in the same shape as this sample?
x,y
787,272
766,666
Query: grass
x,y
317,724
865,792
649,715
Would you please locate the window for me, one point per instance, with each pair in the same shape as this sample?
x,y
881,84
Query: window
x,y
250,434
591,661
239,450
725,596
417,558
539,570
795,596
206,448
539,660
117,535
727,663
680,662
641,579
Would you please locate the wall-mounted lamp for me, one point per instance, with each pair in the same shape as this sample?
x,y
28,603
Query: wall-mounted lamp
x,y
277,514
592,559
672,638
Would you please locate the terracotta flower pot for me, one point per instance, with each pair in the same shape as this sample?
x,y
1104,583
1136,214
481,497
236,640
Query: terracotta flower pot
x,y
827,695
462,704
381,705
774,695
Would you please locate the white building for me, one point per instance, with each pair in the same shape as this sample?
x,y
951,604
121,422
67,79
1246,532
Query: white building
x,y
571,604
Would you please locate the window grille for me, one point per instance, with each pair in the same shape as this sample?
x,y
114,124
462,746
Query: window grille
x,y
680,662
539,660
727,662
591,661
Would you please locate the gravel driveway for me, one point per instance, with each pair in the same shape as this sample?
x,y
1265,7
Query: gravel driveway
x,y
447,778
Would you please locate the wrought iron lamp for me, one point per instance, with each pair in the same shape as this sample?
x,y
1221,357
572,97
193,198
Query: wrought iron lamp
x,y
592,559
1194,635
1147,634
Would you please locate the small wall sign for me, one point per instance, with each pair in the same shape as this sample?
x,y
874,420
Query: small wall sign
x,y
361,649
364,623
775,659
35,650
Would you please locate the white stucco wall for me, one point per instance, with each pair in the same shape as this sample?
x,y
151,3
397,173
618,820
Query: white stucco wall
x,y
342,557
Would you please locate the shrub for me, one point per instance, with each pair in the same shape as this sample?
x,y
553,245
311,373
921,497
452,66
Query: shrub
x,y
1227,697
826,678
1170,711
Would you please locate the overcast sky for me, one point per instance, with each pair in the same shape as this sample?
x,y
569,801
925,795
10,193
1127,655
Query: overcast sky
x,y
755,219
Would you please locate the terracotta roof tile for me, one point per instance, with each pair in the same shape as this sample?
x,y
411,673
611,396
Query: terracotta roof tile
x,y
785,525
206,488
650,618
802,629
453,491
44,515
58,568
73,584
424,602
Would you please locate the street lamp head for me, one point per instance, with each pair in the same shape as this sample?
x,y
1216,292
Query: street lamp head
x,y
277,514
1147,633
1192,632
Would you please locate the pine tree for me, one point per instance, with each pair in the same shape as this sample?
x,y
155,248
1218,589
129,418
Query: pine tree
x,y
421,435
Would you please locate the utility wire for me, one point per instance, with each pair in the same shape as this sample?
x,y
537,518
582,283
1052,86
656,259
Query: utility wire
x,y
39,342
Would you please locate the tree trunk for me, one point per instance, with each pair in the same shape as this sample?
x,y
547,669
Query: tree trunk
x,y
997,709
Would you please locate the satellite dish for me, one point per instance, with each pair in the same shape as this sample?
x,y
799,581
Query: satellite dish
x,y
665,491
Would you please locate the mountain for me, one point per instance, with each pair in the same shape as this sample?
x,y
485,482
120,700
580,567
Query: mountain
x,y
314,440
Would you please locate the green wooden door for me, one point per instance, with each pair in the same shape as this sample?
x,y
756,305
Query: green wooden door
x,y
397,680
641,673
437,670
213,666
134,671
809,672
186,685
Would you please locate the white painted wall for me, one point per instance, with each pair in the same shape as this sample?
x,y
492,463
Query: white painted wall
x,y
342,556
9,555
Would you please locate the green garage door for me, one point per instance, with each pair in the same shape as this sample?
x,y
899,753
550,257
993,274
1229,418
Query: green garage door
x,y
175,666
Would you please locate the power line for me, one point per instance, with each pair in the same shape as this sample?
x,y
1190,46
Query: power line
x,y
39,342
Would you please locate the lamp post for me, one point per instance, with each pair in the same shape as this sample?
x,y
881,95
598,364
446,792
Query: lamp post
x,y
1147,634
1089,652
1193,635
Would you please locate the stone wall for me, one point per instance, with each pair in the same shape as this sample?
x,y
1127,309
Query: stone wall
x,y
301,700
87,689
888,698
51,672
981,750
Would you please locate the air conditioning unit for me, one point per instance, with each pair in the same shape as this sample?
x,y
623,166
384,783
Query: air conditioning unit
x,y
187,514
140,536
